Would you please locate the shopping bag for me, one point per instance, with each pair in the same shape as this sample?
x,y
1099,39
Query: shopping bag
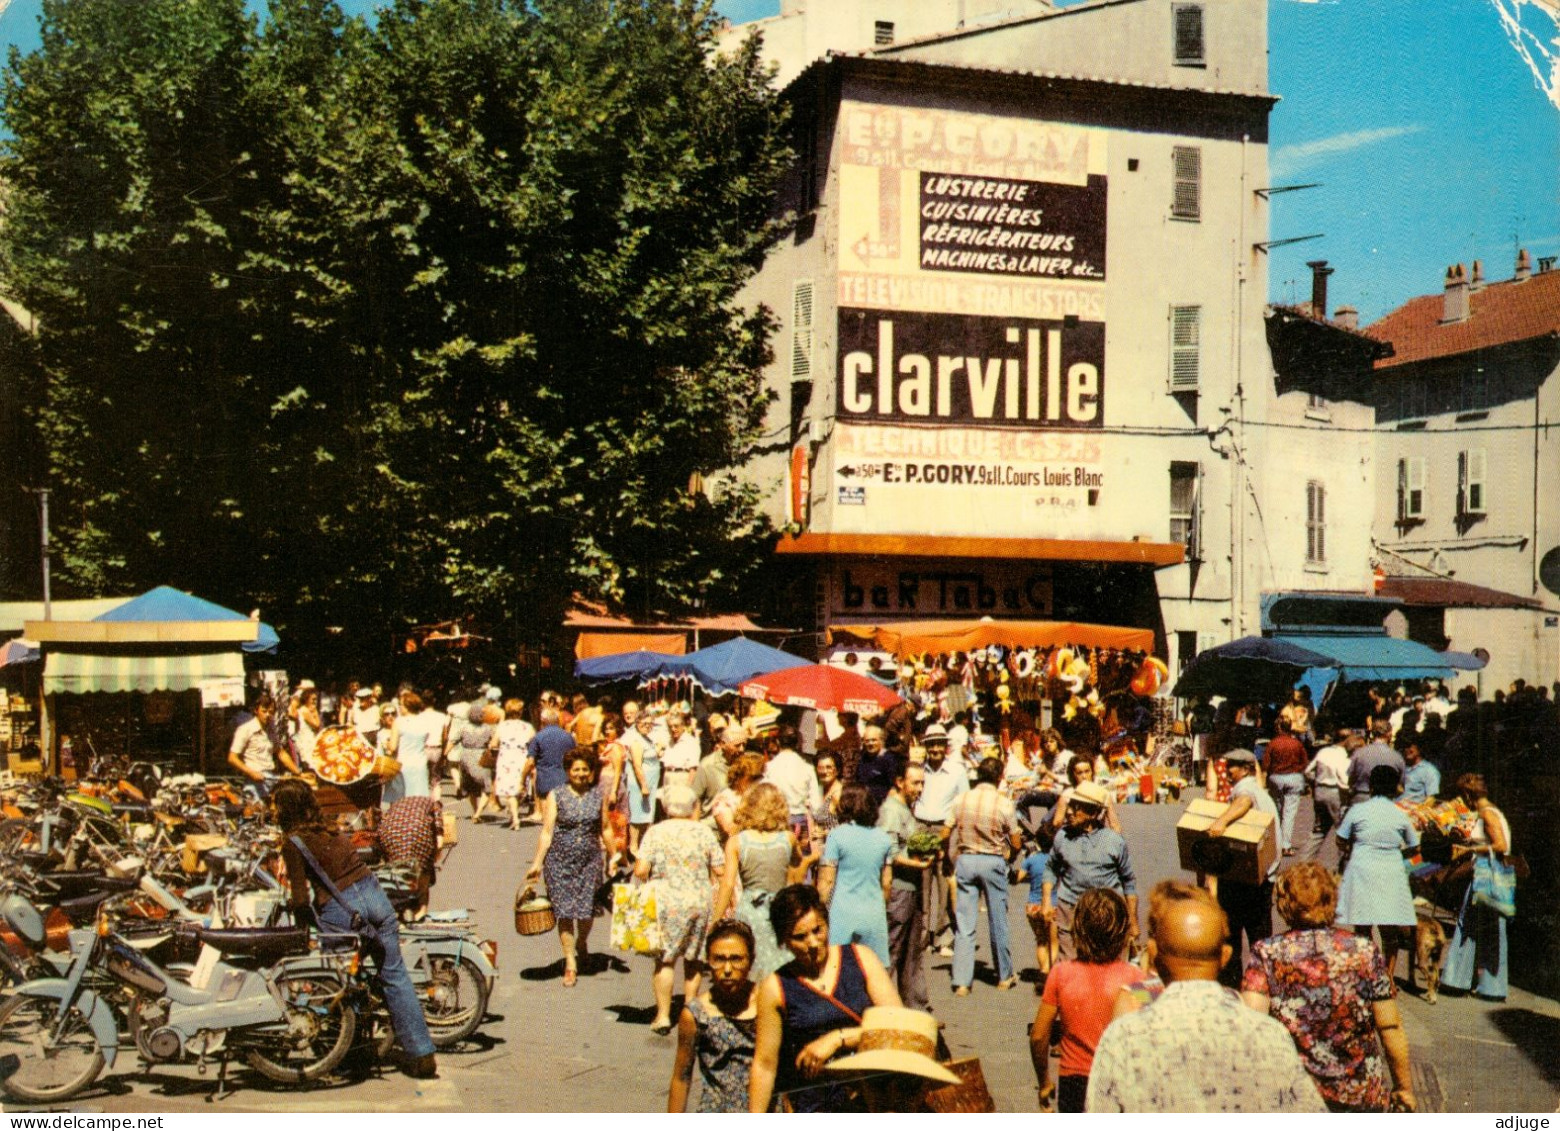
x,y
1495,884
635,927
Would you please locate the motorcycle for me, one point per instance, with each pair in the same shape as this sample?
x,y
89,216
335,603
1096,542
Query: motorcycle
x,y
270,998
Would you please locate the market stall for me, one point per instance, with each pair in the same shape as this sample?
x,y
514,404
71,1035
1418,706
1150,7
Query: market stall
x,y
155,678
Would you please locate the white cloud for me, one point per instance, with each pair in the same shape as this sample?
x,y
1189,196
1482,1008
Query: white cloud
x,y
1292,157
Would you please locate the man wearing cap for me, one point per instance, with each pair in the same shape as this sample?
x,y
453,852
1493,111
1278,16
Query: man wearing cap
x,y
984,831
1197,1048
945,783
365,716
1085,855
1249,906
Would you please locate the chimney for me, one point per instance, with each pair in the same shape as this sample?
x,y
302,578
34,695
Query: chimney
x,y
1455,307
1319,273
1524,266
1347,317
1476,284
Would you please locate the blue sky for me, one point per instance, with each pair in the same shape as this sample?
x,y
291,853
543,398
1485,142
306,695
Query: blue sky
x,y
1432,140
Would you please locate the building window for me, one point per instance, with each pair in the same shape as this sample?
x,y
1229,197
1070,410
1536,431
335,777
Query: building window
x,y
1189,48
802,330
1184,503
1413,400
883,32
1186,198
1185,348
1472,472
1411,488
1315,524
1317,408
1185,649
1473,391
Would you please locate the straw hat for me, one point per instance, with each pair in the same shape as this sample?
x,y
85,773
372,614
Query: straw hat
x,y
1091,793
896,1040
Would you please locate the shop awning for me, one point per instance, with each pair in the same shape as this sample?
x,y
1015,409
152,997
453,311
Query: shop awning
x,y
1156,554
71,673
640,664
593,644
1369,658
963,636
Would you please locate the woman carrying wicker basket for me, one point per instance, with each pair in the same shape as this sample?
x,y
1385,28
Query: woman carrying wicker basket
x,y
571,855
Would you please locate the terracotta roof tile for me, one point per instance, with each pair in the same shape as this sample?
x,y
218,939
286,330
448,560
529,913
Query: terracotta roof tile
x,y
1499,314
1446,593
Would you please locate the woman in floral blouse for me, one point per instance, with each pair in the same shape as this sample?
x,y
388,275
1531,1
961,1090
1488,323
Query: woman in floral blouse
x,y
1329,988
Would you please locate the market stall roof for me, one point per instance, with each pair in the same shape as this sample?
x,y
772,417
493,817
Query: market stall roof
x,y
1156,554
595,645
963,636
19,651
1263,668
161,616
76,673
14,614
637,665
821,687
721,668
1378,657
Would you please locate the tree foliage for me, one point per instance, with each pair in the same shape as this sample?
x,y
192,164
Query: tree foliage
x,y
400,318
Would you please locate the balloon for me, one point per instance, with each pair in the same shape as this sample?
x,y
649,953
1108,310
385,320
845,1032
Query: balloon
x,y
1149,677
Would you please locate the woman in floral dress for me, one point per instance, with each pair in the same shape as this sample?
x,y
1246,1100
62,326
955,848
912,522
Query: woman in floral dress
x,y
513,736
718,1029
684,861
1330,989
571,852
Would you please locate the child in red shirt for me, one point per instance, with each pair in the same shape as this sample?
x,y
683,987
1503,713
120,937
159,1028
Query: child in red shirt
x,y
1079,995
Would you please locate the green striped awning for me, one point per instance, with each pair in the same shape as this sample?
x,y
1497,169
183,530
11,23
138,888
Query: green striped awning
x,y
68,673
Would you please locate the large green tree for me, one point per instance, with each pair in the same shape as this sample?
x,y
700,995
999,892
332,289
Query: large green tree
x,y
395,318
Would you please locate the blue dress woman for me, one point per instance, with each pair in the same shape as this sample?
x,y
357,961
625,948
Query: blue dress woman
x,y
855,861
1375,891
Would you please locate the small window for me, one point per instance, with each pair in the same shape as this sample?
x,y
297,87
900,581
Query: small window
x,y
1472,473
1413,400
1411,488
1185,348
1315,524
1184,503
802,330
1185,649
1189,50
1473,391
1186,197
883,32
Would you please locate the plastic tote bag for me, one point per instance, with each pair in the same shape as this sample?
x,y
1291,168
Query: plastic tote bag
x,y
635,926
1495,884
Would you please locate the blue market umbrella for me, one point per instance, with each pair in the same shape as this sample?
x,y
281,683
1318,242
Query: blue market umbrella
x,y
638,666
1254,667
166,603
721,668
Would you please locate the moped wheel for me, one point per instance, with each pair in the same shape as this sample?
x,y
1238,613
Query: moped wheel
x,y
51,1068
455,999
320,1025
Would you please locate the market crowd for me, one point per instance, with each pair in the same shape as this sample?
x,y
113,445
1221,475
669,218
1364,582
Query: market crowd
x,y
802,881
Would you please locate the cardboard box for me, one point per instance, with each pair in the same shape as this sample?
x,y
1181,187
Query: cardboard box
x,y
1244,853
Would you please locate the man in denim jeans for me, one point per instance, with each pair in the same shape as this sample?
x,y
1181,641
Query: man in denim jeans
x,y
1284,762
985,830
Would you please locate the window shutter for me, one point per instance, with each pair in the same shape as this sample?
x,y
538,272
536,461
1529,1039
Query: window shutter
x,y
1188,34
802,330
1416,486
1315,523
1186,197
882,32
1471,473
1185,348
1402,498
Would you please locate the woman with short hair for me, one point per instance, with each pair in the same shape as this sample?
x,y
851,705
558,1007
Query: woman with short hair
x,y
1331,990
1375,891
809,1011
681,856
573,854
718,1029
1476,956
855,873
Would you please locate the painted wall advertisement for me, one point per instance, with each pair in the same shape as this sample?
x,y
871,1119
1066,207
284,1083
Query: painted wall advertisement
x,y
970,367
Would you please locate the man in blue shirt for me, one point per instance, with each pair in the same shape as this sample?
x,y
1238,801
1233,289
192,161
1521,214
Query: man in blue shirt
x,y
1086,855
547,751
1421,781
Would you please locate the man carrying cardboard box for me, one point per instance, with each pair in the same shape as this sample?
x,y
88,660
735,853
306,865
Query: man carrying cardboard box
x,y
1249,906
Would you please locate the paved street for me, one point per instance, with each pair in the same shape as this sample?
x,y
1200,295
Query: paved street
x,y
546,1048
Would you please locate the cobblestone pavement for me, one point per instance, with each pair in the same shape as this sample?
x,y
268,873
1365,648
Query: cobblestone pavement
x,y
547,1048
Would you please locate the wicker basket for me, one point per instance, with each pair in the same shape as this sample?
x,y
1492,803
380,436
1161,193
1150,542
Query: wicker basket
x,y
385,768
533,913
969,1096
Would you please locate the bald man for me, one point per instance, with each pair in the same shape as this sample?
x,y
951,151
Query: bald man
x,y
1197,1048
710,778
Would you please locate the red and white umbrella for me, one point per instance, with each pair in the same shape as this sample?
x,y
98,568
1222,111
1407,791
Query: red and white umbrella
x,y
822,687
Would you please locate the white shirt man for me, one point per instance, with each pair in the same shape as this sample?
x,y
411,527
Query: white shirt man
x,y
682,751
789,772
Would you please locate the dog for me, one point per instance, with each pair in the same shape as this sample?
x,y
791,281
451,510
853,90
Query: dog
x,y
1429,949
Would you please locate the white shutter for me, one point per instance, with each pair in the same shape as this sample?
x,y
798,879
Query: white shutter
x,y
1415,495
1472,471
1185,348
1186,195
802,330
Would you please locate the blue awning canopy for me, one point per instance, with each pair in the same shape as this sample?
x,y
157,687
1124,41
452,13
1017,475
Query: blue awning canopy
x,y
1371,657
721,668
639,666
166,603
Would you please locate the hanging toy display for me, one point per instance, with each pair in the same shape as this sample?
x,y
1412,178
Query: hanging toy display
x,y
1150,676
